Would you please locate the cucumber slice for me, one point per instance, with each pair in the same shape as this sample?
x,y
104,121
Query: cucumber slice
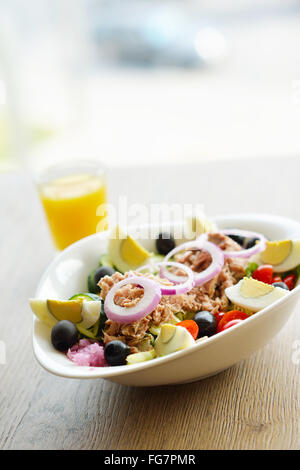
x,y
85,296
105,260
140,357
96,331
102,321
86,333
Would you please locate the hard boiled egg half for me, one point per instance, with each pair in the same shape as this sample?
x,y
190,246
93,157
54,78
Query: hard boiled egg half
x,y
83,313
284,255
254,295
125,252
171,339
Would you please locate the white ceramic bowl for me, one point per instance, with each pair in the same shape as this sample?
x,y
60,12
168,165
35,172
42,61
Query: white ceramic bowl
x,y
67,275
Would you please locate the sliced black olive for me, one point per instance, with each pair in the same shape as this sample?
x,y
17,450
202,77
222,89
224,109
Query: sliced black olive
x,y
238,239
64,335
281,284
206,322
99,274
251,242
91,283
165,243
103,271
115,353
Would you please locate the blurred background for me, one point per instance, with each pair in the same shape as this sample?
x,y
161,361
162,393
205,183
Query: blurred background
x,y
148,81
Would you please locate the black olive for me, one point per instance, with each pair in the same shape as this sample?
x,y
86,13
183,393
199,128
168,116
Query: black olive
x,y
238,239
206,322
251,242
64,335
165,243
91,283
115,353
100,273
281,284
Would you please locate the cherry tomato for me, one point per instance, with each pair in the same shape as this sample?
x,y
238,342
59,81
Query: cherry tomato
x,y
229,316
264,273
219,316
276,279
231,323
290,281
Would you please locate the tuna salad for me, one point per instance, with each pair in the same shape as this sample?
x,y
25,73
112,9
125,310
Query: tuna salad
x,y
140,305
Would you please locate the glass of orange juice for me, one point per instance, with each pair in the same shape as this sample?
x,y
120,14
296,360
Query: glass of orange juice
x,y
73,195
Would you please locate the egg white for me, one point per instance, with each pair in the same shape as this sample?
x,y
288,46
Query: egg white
x,y
291,261
254,304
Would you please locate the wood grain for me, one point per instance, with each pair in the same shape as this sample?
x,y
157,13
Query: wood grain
x,y
254,405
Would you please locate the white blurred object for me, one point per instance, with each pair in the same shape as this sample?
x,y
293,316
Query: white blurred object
x,y
211,45
153,35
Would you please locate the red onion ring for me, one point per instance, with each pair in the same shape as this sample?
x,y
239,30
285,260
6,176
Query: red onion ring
x,y
257,248
148,303
213,269
184,284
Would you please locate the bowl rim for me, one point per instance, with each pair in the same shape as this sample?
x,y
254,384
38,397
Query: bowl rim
x,y
87,372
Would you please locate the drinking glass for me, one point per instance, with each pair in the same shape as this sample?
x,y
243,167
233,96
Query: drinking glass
x,y
74,198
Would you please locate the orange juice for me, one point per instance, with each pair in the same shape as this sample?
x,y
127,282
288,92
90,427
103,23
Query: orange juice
x,y
71,204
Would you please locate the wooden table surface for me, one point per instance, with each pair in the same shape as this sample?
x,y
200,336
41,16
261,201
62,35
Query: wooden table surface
x,y
253,405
